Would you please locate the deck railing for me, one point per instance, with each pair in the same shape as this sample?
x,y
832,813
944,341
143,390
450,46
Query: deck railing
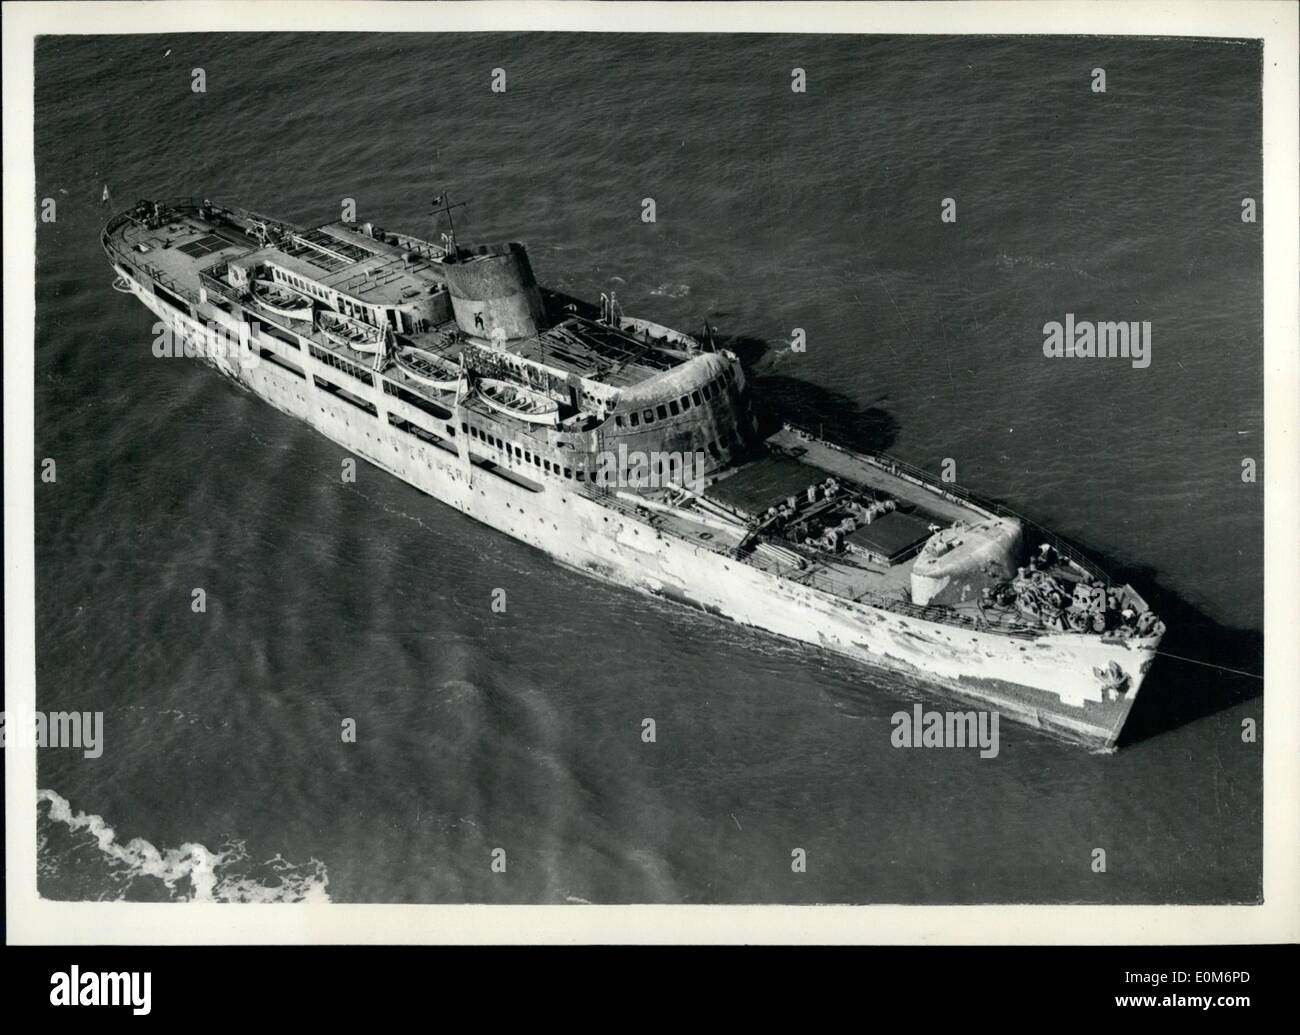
x,y
819,578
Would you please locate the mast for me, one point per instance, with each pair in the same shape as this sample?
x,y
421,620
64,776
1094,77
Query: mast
x,y
444,199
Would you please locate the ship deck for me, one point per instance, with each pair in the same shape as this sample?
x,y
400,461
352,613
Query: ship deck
x,y
839,575
375,270
794,463
175,251
576,345
723,518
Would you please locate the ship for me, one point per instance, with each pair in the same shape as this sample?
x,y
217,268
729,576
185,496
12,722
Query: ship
x,y
635,453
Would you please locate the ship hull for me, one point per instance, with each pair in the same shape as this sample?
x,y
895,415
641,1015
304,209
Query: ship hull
x,y
1058,682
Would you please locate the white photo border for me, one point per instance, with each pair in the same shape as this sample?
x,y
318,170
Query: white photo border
x,y
32,920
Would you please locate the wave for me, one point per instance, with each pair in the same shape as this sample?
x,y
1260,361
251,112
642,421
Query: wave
x,y
191,872
671,291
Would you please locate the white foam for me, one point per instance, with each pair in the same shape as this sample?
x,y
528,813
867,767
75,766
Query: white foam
x,y
219,876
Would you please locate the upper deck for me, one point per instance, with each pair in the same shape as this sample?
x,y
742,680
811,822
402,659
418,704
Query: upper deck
x,y
386,278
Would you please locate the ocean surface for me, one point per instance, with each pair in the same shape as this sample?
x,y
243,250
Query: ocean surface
x,y
223,774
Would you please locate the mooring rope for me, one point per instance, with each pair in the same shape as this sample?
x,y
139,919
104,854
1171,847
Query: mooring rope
x,y
1210,664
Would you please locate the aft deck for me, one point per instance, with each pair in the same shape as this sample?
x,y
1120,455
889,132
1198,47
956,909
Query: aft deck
x,y
174,252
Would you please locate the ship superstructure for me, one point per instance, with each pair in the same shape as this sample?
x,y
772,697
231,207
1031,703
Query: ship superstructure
x,y
632,452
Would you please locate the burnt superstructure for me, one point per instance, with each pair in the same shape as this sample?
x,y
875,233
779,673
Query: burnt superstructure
x,y
631,451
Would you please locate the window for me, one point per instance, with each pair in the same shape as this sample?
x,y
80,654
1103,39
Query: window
x,y
708,390
272,331
568,472
686,403
463,425
175,301
420,403
636,418
547,465
673,408
418,432
528,456
618,422
339,363
695,398
345,395
537,461
582,476
271,357
661,412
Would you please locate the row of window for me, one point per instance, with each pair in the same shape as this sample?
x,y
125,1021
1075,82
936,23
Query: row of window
x,y
345,304
273,331
526,456
342,393
305,286
362,404
678,406
418,432
359,312
339,363
284,364
420,403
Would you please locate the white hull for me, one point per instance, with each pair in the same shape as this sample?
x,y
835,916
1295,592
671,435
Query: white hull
x,y
1056,681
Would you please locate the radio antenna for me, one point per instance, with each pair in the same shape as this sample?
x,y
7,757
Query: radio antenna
x,y
444,200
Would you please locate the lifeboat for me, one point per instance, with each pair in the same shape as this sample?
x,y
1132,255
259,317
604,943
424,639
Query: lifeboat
x,y
283,301
427,369
353,334
517,401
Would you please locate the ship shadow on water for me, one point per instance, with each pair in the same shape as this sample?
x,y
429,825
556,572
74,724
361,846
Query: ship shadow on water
x,y
1176,692
833,415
